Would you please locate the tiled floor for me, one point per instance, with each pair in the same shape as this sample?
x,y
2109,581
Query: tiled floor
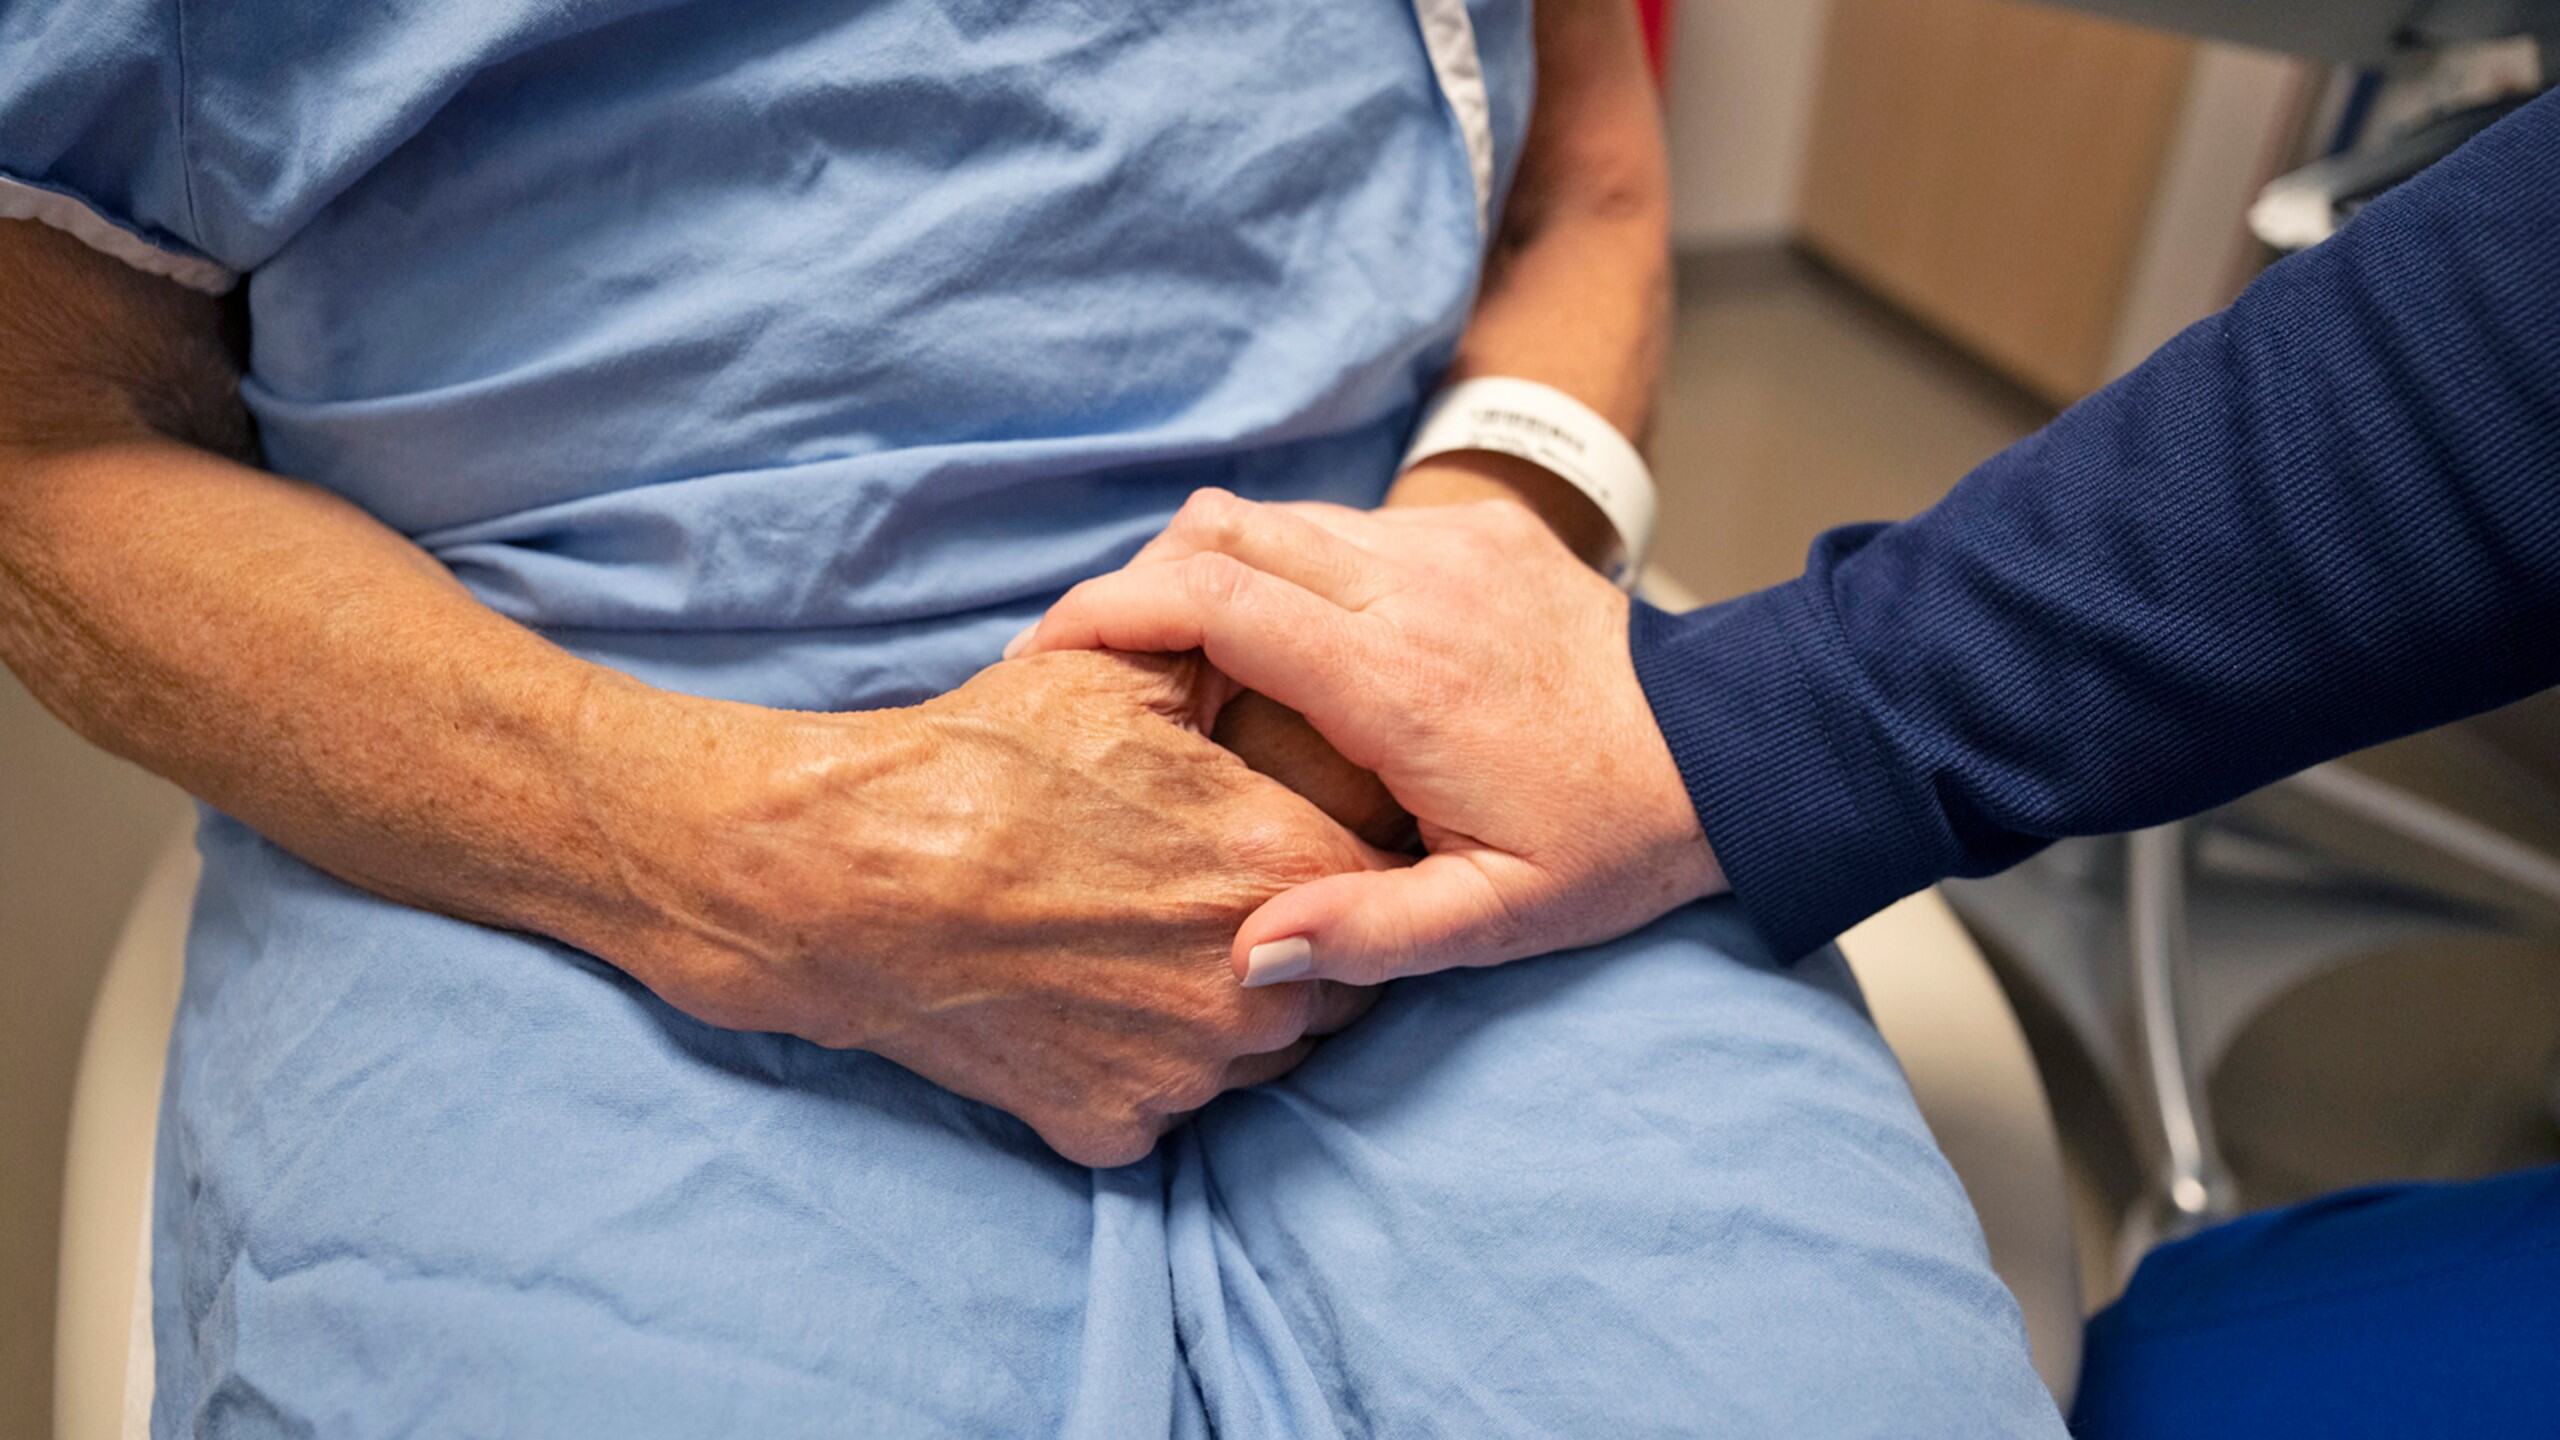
x,y
1796,404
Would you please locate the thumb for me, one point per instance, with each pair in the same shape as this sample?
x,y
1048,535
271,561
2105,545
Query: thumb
x,y
1367,926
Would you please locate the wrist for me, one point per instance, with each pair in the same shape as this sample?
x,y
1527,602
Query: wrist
x,y
1557,433
666,799
622,802
1468,476
1674,856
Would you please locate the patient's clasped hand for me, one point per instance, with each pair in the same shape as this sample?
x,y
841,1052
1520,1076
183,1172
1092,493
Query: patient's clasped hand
x,y
1382,629
1023,890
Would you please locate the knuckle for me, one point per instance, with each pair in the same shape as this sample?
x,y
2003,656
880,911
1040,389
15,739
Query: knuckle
x,y
1472,546
1125,1141
1269,843
1229,1021
1503,924
1101,1134
1187,1090
1391,949
1366,966
1210,517
1216,578
1102,1146
1290,855
1279,1022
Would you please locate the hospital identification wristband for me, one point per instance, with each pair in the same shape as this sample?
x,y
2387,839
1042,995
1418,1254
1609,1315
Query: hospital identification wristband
x,y
1558,434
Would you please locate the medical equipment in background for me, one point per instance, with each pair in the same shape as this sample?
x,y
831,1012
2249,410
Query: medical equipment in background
x,y
2360,32
2464,64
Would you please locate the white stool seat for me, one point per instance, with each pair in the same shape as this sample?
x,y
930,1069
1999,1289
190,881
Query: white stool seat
x,y
102,1317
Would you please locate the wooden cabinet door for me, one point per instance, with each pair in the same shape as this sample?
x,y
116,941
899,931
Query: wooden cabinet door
x,y
1989,166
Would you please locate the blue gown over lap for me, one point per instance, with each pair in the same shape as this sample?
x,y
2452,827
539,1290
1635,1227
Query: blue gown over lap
x,y
798,353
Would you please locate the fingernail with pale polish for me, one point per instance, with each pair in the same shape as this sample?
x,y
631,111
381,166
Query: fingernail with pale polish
x,y
1014,646
1276,962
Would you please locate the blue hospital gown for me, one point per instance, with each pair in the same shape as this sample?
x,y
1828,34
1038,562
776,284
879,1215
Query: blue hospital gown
x,y
798,353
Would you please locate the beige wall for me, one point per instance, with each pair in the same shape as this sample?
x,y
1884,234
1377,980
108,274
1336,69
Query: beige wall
x,y
76,830
1742,113
1741,80
2243,114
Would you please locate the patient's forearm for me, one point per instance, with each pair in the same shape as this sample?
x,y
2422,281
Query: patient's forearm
x,y
287,658
1011,890
266,645
1577,293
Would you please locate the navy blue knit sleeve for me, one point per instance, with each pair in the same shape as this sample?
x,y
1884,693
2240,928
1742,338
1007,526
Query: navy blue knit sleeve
x,y
2328,516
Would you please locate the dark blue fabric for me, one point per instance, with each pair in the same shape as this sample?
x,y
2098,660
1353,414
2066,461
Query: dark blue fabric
x,y
2402,1311
2328,516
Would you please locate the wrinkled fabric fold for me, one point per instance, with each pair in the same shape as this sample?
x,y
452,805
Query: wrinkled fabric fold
x,y
798,353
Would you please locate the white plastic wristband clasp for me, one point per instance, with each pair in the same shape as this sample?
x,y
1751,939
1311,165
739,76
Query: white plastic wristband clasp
x,y
1557,433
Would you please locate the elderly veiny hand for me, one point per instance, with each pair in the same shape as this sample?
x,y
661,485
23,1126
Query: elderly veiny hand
x,y
1018,890
1469,659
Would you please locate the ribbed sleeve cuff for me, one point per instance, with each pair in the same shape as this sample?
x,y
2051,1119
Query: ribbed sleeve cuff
x,y
1796,797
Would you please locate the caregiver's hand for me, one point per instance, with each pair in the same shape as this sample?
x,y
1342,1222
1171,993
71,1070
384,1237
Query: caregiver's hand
x,y
1469,659
1022,890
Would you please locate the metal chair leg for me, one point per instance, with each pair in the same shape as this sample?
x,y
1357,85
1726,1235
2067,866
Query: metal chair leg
x,y
2194,1187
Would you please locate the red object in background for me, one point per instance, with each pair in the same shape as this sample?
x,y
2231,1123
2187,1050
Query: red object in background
x,y
1657,33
